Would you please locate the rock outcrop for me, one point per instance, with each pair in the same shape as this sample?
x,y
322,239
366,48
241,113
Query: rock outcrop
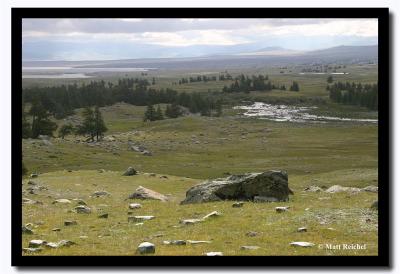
x,y
271,185
147,194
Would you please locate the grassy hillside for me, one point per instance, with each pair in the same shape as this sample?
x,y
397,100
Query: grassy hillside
x,y
330,218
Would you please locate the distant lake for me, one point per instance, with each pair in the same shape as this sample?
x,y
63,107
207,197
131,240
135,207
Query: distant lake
x,y
55,76
71,72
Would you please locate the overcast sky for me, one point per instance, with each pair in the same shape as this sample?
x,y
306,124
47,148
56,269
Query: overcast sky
x,y
96,39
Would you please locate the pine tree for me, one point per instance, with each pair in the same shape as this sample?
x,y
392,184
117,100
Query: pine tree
x,y
150,114
159,114
173,111
26,126
100,126
65,130
295,86
41,123
88,127
218,107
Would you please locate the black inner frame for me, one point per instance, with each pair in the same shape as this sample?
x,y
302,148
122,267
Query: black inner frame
x,y
383,258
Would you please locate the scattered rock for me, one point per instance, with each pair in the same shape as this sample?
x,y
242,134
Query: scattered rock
x,y
62,201
33,183
36,243
139,224
34,175
198,242
69,223
212,214
213,253
30,202
338,188
281,209
146,153
137,219
31,250
252,234
302,244
80,202
146,248
56,229
313,189
101,193
190,221
175,242
163,177
193,221
147,194
370,189
27,230
103,216
375,205
82,209
249,247
135,206
130,171
241,187
238,204
101,170
302,229
66,243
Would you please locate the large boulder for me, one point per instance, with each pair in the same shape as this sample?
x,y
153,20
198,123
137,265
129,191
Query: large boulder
x,y
272,185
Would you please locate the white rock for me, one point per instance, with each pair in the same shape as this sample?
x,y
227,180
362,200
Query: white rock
x,y
146,248
175,242
191,221
213,253
302,244
249,247
302,229
281,209
62,201
137,219
31,250
198,242
36,243
135,206
212,214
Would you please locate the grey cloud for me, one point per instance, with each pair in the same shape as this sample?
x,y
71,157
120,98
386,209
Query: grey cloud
x,y
152,25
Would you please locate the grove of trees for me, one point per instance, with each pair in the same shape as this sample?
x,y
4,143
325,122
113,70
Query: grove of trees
x,y
60,101
355,94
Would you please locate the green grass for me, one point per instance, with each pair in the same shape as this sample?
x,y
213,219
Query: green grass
x,y
193,148
330,218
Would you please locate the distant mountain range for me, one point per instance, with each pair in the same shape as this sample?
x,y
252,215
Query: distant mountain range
x,y
261,57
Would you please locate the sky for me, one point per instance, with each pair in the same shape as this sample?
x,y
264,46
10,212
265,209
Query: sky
x,y
133,38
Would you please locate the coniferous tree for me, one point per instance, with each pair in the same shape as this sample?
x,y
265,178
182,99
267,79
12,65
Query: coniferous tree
x,y
88,127
218,107
159,114
26,126
173,111
41,123
295,86
65,130
100,126
150,114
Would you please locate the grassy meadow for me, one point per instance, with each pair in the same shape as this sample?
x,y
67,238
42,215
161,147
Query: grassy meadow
x,y
190,149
